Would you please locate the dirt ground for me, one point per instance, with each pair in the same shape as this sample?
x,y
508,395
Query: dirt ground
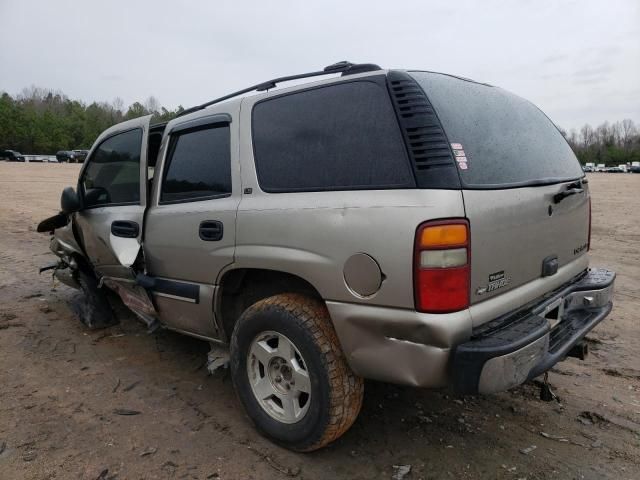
x,y
62,386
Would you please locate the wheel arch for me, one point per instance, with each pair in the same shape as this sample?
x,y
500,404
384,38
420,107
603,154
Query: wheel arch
x,y
240,288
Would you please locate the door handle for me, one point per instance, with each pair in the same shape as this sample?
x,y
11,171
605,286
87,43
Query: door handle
x,y
125,228
211,230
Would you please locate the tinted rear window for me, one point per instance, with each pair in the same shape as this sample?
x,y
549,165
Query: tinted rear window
x,y
199,166
339,137
505,139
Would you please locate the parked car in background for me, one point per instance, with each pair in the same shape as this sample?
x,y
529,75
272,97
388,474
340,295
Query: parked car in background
x,y
12,156
587,168
614,170
600,167
80,155
66,156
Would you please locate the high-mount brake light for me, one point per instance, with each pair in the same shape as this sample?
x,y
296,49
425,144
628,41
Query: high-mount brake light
x,y
442,266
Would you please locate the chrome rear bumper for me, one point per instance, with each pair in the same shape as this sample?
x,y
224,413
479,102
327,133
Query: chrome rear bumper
x,y
521,345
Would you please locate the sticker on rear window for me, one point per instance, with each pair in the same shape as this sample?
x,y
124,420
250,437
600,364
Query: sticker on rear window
x,y
460,156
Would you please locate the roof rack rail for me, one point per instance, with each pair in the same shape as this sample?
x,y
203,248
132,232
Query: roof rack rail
x,y
344,67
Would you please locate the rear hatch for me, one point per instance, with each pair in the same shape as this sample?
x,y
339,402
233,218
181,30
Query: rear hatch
x,y
524,190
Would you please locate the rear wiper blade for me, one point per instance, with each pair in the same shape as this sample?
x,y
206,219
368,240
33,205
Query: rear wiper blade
x,y
572,189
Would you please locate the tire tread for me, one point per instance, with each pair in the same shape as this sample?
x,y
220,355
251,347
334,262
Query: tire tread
x,y
346,389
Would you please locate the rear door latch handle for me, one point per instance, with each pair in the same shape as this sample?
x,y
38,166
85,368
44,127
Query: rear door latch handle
x,y
211,230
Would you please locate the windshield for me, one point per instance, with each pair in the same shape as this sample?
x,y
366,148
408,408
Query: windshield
x,y
499,139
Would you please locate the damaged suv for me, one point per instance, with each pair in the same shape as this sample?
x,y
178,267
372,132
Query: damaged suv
x,y
405,226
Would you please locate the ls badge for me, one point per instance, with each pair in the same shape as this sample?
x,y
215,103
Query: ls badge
x,y
496,280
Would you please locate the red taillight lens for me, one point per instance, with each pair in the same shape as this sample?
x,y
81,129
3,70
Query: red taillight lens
x,y
589,236
442,266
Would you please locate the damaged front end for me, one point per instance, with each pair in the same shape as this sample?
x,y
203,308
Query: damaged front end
x,y
74,269
65,247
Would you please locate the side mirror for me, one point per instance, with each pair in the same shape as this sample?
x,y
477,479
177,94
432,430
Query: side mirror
x,y
69,201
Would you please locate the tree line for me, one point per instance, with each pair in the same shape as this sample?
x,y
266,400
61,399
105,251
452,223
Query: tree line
x,y
41,121
609,143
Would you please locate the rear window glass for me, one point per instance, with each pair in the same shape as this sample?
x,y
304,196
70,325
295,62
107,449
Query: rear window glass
x,y
199,165
505,139
339,137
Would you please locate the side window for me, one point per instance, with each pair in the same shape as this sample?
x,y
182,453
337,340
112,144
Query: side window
x,y
113,172
199,165
340,137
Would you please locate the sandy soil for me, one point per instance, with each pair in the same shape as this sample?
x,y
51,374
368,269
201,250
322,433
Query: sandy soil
x,y
60,384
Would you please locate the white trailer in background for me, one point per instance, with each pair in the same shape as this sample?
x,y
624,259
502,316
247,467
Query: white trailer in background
x,y
40,158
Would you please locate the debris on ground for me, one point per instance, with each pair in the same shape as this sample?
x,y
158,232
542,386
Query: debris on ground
x,y
149,451
400,471
424,419
126,411
103,474
4,326
554,437
132,386
218,357
29,456
288,471
591,418
528,450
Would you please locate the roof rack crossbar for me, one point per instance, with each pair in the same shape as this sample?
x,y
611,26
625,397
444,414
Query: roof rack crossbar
x,y
339,67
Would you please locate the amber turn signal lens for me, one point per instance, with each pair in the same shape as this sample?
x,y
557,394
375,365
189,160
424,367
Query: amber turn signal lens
x,y
443,236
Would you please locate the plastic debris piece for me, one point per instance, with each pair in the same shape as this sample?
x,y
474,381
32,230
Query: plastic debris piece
x,y
400,471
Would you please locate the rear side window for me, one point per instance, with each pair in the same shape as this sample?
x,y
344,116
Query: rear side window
x,y
112,175
199,165
339,137
504,139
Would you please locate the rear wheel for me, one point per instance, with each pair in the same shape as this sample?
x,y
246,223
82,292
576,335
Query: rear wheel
x,y
290,373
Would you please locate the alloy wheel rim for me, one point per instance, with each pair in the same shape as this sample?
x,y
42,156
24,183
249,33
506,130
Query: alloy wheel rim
x,y
278,377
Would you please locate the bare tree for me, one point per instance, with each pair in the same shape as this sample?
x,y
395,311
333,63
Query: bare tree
x,y
118,104
628,132
152,105
586,136
572,138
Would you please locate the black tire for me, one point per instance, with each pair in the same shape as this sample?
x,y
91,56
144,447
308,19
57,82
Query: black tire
x,y
336,392
92,307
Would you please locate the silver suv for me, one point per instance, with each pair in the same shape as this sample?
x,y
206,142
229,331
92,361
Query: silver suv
x,y
404,226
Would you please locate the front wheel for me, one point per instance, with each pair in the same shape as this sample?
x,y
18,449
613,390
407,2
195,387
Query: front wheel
x,y
290,373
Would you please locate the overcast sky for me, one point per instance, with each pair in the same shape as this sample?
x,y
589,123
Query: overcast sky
x,y
577,60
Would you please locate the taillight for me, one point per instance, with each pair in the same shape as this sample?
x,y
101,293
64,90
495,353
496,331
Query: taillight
x,y
442,266
589,236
